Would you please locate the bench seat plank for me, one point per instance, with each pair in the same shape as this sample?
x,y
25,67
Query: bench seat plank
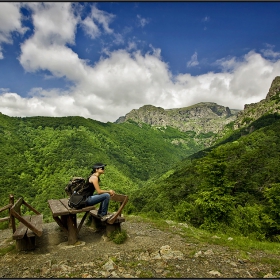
x,y
37,221
21,229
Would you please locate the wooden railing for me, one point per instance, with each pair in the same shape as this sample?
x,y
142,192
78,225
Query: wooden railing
x,y
7,207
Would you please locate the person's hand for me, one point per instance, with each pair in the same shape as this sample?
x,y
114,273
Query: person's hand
x,y
112,193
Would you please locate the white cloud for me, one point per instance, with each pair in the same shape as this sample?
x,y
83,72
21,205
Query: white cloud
x,y
193,61
97,17
54,23
10,21
268,52
90,28
124,79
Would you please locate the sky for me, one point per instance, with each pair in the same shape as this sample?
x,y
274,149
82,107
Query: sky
x,y
100,60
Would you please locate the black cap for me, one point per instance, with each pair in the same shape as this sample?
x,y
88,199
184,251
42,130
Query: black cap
x,y
98,165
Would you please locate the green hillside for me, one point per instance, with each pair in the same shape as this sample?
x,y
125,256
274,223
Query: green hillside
x,y
233,187
39,155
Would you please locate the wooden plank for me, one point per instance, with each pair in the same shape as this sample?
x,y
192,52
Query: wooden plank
x,y
21,229
30,207
4,219
119,197
26,223
124,199
6,207
16,206
82,221
37,221
57,208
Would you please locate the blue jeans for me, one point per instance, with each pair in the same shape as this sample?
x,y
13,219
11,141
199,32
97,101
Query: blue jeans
x,y
103,198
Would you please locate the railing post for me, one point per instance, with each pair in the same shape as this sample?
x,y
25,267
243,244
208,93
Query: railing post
x,y
11,201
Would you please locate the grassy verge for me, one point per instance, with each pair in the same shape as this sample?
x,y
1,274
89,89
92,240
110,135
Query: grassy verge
x,y
196,235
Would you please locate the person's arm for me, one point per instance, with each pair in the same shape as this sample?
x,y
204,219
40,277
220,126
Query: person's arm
x,y
94,181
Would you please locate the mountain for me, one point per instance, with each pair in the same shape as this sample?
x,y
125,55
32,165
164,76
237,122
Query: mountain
x,y
268,106
205,118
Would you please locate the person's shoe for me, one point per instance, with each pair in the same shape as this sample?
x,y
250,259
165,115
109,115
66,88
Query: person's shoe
x,y
106,217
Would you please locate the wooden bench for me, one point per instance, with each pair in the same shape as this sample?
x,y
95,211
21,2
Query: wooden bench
x,y
114,223
28,228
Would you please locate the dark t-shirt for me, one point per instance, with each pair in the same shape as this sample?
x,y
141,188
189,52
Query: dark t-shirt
x,y
90,188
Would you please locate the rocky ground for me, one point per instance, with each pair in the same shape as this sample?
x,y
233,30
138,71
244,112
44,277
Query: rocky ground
x,y
148,252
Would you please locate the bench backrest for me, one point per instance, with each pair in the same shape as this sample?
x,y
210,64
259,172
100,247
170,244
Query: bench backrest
x,y
16,213
123,200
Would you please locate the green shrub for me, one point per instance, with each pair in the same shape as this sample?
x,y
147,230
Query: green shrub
x,y
248,221
118,236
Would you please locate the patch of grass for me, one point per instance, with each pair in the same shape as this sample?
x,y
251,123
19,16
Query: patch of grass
x,y
172,274
146,274
159,223
271,261
133,264
9,248
244,255
4,225
118,237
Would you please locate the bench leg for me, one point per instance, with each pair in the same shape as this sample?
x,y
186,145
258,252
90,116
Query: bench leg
x,y
26,243
111,228
72,229
96,223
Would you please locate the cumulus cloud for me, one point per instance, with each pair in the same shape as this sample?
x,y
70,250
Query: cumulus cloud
x,y
125,79
10,21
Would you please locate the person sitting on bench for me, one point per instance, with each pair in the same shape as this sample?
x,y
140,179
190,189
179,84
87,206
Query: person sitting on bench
x,y
102,196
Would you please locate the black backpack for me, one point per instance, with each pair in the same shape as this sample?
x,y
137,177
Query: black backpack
x,y
75,184
78,189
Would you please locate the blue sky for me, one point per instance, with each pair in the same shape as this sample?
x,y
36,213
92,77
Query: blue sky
x,y
100,60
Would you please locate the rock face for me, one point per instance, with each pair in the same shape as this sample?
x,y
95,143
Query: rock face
x,y
203,117
253,111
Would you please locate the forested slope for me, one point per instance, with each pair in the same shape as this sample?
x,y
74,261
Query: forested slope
x,y
39,155
233,187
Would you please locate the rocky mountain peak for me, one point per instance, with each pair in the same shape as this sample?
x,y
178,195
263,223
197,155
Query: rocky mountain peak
x,y
253,111
203,117
274,90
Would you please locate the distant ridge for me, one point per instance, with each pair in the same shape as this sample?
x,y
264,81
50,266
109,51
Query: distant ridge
x,y
203,117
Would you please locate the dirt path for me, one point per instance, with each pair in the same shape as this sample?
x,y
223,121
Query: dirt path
x,y
147,252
